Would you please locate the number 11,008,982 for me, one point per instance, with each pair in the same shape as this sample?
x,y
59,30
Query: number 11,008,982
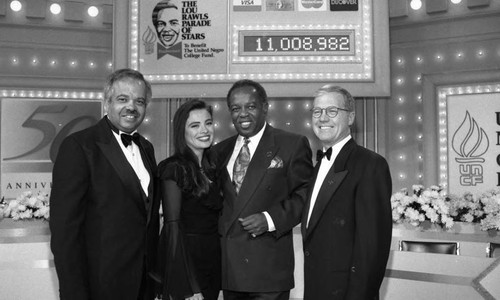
x,y
297,43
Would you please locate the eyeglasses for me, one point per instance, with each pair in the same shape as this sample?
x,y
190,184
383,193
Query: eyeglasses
x,y
331,111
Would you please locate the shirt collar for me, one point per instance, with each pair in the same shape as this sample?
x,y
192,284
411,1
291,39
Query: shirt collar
x,y
253,139
337,147
115,130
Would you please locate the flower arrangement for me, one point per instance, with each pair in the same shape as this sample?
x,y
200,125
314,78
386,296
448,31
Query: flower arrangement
x,y
430,204
491,202
434,205
27,206
467,208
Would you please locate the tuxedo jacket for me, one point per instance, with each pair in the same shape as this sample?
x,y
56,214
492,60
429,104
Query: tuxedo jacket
x,y
276,181
104,229
347,242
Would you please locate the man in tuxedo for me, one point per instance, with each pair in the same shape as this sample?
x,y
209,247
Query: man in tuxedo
x,y
104,213
264,189
347,223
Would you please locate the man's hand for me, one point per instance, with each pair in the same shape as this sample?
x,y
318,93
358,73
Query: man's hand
x,y
255,224
198,296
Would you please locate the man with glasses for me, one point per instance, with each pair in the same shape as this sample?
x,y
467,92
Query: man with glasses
x,y
346,222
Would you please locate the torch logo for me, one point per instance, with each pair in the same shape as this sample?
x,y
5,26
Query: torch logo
x,y
470,142
149,39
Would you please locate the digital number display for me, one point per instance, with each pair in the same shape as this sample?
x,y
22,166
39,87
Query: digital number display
x,y
331,42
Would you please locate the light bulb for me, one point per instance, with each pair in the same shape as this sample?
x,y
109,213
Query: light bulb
x,y
416,4
16,5
93,11
55,8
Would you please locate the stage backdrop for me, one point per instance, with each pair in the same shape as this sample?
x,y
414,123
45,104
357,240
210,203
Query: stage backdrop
x,y
32,130
473,141
199,48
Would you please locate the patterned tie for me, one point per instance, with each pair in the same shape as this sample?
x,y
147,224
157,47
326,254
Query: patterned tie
x,y
241,165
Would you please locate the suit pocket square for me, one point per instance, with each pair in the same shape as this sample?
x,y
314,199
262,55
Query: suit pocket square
x,y
276,163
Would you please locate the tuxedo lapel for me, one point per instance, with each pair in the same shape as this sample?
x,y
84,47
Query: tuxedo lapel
x,y
330,185
261,159
333,180
150,165
112,151
226,184
305,211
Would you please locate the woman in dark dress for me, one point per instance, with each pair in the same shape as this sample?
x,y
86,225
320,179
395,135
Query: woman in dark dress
x,y
189,249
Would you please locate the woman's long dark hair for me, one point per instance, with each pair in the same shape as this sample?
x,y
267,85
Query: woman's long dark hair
x,y
193,180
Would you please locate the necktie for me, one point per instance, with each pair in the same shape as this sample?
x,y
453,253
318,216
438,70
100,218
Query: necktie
x,y
320,154
241,165
127,139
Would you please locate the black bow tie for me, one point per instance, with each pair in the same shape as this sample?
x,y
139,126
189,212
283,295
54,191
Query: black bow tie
x,y
127,139
320,154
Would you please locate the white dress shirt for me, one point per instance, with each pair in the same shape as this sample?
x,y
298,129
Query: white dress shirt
x,y
133,155
252,146
324,168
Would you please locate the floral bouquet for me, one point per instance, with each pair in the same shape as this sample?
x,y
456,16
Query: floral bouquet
x,y
467,208
430,204
491,202
27,206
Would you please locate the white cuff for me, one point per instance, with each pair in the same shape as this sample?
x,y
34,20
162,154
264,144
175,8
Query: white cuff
x,y
270,222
